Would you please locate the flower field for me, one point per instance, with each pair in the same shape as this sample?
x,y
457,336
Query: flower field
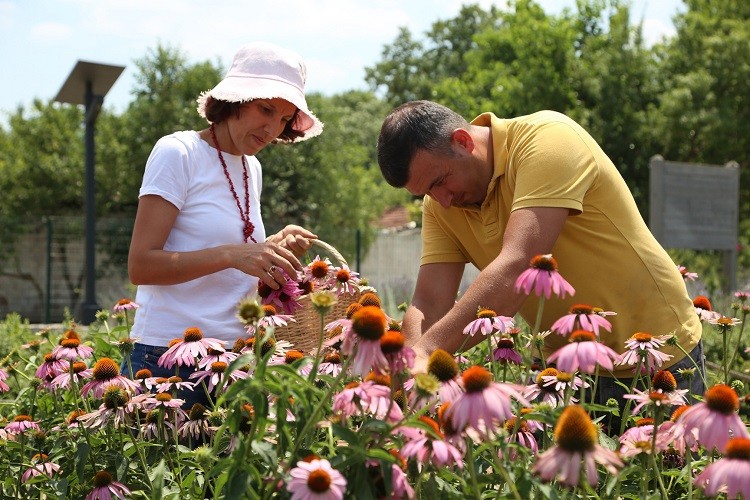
x,y
350,419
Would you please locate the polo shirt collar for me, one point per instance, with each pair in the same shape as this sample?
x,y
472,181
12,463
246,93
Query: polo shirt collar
x,y
499,145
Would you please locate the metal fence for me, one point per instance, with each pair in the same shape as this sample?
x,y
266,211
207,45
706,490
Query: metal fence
x,y
42,266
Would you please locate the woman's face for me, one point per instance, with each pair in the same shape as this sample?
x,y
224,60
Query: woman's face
x,y
260,122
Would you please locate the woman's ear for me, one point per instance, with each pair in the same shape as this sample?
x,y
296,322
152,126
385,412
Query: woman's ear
x,y
462,138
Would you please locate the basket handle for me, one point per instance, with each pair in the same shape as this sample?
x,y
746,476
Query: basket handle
x,y
330,249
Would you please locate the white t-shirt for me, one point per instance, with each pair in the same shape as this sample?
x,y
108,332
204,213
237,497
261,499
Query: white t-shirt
x,y
184,170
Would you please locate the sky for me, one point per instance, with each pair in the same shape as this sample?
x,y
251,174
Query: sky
x,y
338,39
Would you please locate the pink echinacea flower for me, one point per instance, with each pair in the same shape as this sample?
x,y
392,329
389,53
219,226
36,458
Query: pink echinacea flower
x,y
21,424
488,322
576,444
316,480
430,447
107,373
40,465
125,305
71,349
644,348
584,353
729,474
581,317
686,275
715,420
106,488
362,341
544,278
485,405
186,351
343,281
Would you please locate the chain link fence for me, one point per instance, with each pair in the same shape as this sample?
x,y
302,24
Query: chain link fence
x,y
42,265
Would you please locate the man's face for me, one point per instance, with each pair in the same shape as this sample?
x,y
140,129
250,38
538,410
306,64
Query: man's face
x,y
453,181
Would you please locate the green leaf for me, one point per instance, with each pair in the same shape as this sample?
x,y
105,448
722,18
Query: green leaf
x,y
81,458
156,477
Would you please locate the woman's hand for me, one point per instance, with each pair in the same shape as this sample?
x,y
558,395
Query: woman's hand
x,y
266,261
150,264
296,239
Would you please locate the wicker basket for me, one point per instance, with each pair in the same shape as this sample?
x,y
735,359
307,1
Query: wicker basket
x,y
304,332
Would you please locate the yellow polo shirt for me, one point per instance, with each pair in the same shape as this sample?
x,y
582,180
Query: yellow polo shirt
x,y
605,250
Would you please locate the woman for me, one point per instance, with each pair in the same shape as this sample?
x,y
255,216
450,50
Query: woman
x,y
198,244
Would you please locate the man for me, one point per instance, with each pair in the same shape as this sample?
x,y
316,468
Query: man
x,y
497,193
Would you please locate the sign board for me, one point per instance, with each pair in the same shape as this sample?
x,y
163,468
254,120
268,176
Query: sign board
x,y
695,206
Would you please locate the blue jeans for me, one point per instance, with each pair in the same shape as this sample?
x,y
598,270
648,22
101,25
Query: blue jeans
x,y
147,356
608,388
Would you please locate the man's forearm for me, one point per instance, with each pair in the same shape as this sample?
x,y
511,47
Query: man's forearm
x,y
412,325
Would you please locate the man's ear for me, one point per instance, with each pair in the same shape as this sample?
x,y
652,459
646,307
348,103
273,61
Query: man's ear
x,y
462,138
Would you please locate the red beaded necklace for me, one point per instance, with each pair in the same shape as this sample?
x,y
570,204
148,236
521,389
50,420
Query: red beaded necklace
x,y
248,227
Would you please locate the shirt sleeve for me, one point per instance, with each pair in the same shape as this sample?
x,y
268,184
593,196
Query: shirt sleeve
x,y
552,167
167,172
437,244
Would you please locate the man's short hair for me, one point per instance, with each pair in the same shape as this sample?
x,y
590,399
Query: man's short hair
x,y
410,127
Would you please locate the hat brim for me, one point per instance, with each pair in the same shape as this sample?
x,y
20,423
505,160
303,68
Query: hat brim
x,y
248,88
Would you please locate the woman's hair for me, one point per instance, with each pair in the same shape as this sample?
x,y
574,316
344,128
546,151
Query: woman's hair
x,y
410,127
217,111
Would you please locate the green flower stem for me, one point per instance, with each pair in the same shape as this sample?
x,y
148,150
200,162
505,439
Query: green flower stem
x,y
139,451
537,324
20,464
33,404
594,386
313,418
644,478
129,364
472,470
724,360
739,340
15,372
493,364
630,401
127,322
689,467
499,466
695,364
85,432
658,417
176,438
463,344
318,351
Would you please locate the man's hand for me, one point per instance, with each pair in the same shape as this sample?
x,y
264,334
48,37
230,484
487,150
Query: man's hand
x,y
421,361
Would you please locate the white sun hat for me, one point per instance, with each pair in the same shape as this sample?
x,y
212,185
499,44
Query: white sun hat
x,y
262,70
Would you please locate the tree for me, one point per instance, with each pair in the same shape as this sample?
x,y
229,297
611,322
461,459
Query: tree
x,y
518,65
41,173
409,69
704,104
615,85
705,70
